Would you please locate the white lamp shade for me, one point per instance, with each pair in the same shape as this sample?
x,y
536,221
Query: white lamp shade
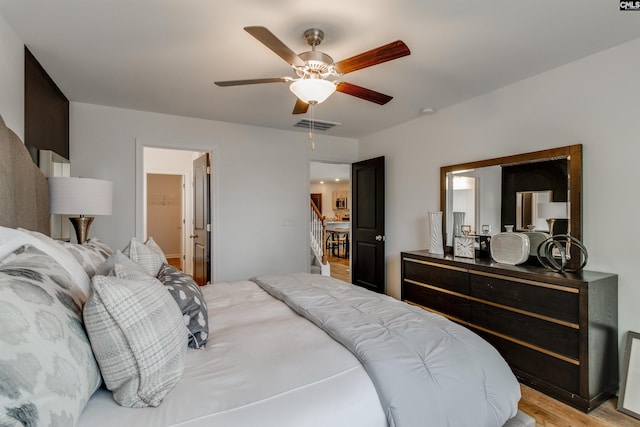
x,y
553,210
80,196
312,91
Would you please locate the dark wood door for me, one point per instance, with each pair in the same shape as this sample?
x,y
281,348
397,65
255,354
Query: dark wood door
x,y
367,224
201,221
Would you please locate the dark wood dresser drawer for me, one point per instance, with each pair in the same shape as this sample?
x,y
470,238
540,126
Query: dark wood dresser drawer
x,y
534,364
435,300
557,302
562,340
445,277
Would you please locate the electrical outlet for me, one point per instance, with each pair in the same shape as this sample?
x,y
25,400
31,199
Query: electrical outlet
x,y
288,222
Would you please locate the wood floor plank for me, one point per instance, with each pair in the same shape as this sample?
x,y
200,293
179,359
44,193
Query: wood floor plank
x,y
340,268
549,412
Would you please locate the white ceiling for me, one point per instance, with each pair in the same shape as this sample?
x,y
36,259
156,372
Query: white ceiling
x,y
164,55
328,172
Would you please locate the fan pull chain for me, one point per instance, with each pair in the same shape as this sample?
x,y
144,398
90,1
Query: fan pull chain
x,y
311,125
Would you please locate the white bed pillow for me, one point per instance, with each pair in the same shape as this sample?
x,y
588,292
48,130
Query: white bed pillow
x,y
47,368
11,239
138,337
147,254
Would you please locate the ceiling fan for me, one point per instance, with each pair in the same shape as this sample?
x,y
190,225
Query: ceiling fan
x,y
313,69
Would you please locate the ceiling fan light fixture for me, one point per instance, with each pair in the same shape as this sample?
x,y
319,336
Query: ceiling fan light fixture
x,y
312,91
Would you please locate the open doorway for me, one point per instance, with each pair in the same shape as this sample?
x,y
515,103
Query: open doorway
x,y
168,211
330,188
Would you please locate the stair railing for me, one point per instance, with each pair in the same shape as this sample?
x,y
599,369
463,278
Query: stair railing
x,y
318,236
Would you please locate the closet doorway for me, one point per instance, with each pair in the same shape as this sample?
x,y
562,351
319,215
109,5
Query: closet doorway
x,y
165,215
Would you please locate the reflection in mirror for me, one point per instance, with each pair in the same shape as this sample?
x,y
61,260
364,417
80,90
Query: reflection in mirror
x,y
527,210
497,182
463,203
479,206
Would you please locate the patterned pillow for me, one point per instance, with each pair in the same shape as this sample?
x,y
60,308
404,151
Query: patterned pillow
x,y
191,302
147,254
47,368
138,337
11,239
91,254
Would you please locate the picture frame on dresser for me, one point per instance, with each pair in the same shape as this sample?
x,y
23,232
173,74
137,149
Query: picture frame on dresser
x,y
629,396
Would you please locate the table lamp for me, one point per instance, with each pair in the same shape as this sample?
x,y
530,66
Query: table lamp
x,y
84,197
552,211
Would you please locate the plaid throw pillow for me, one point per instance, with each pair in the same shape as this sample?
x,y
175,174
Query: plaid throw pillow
x,y
147,254
138,337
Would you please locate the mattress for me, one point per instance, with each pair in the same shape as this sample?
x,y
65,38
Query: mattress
x,y
263,365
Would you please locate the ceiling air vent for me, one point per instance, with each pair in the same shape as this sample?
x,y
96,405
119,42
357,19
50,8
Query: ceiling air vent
x,y
317,124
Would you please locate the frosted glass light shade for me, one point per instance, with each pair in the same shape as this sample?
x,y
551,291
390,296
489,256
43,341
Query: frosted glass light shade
x,y
80,196
312,91
553,210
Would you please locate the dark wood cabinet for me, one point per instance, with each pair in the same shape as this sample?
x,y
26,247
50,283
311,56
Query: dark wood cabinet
x,y
558,332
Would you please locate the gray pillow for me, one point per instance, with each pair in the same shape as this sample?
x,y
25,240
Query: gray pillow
x,y
108,268
138,338
191,302
47,368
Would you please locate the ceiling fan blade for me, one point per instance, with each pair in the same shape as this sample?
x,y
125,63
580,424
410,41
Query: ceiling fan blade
x,y
267,38
363,93
301,107
375,56
252,81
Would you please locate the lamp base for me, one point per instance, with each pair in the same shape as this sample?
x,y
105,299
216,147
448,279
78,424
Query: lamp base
x,y
81,225
551,222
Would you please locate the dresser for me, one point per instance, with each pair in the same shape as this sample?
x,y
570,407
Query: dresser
x,y
558,332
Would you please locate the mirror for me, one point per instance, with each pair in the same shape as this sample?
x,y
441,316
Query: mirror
x,y
53,164
493,193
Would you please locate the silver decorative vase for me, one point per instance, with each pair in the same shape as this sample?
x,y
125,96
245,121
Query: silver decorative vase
x,y
435,233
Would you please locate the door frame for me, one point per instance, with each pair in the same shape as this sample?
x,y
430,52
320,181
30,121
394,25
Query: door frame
x,y
140,192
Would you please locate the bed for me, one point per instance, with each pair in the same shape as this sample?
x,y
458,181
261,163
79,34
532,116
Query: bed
x,y
290,350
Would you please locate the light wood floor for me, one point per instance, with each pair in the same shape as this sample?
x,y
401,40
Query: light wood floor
x,y
549,412
340,268
174,262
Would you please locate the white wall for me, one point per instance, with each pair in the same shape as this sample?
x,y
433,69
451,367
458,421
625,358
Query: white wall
x,y
594,101
261,181
11,78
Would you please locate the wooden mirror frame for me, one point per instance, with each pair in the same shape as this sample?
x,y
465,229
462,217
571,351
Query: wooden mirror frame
x,y
571,152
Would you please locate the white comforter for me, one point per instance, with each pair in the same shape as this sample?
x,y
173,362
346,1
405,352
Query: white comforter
x,y
263,366
424,366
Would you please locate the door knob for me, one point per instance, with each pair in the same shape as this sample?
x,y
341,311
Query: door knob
x,y
194,236
380,238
